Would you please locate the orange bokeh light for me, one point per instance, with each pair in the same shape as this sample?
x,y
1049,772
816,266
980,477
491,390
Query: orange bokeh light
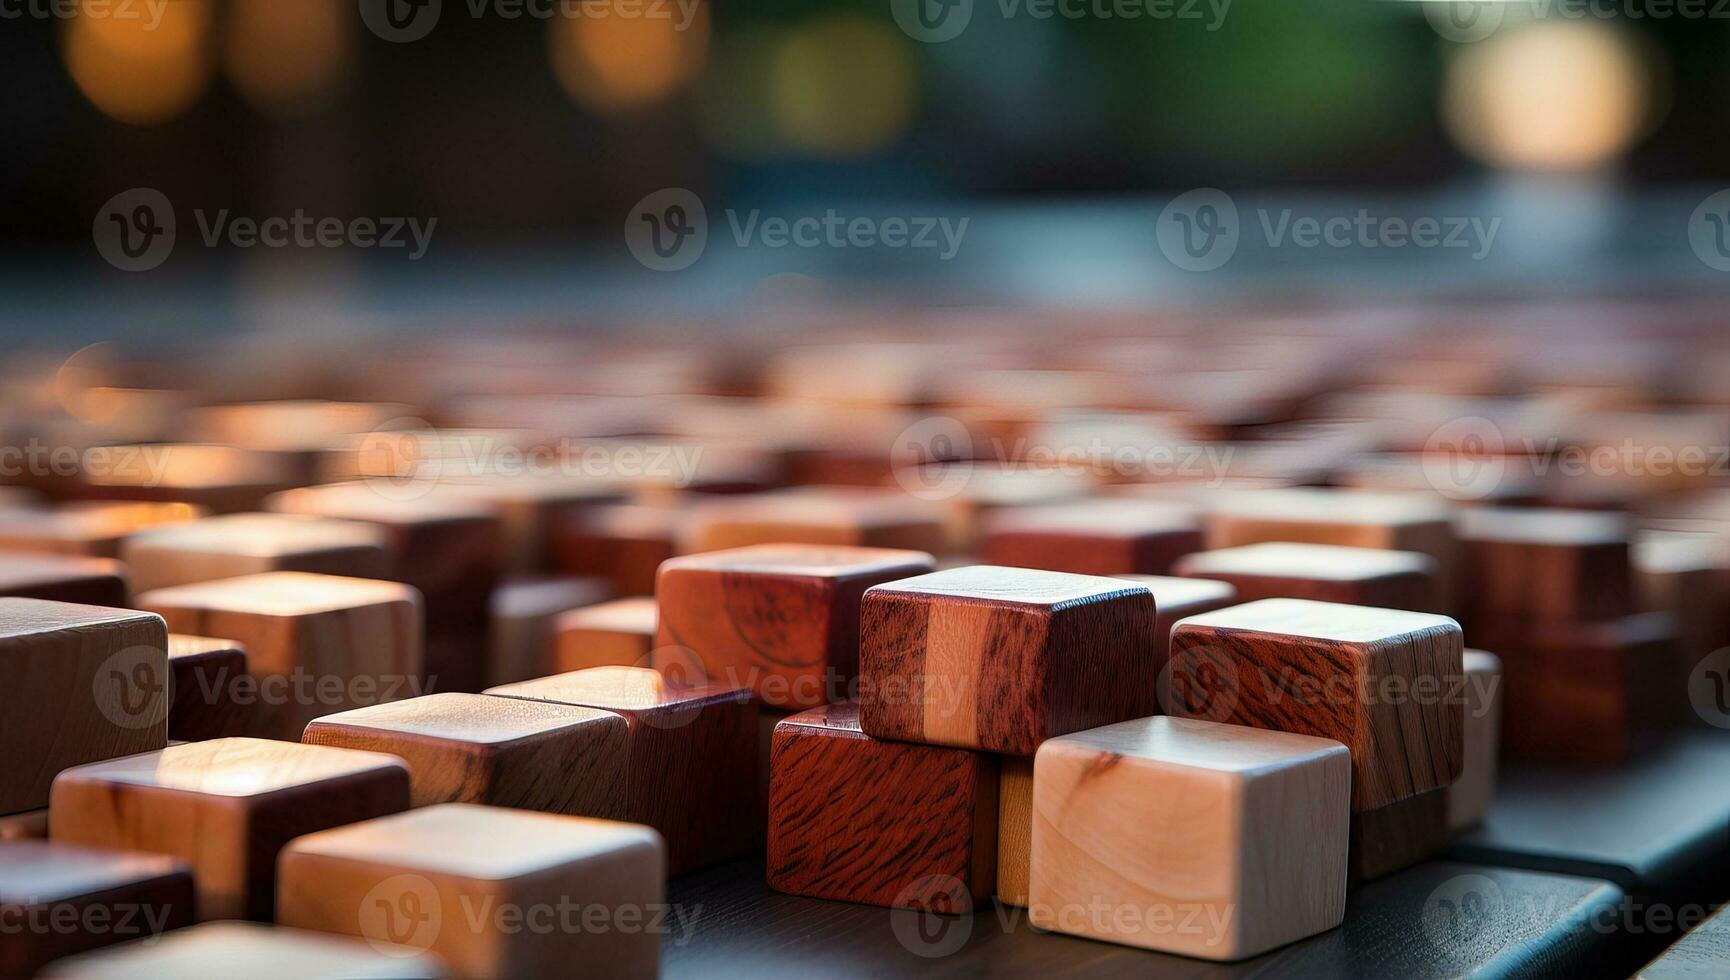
x,y
142,70
613,61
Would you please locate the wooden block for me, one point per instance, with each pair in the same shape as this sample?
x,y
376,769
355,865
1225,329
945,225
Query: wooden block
x,y
1583,693
249,544
1470,795
29,825
1000,659
529,507
222,479
314,643
492,890
622,543
1703,953
1179,598
970,493
1099,537
620,633
226,806
1484,481
693,763
258,952
781,619
818,515
57,578
1394,837
524,614
208,683
59,900
1231,840
1687,575
77,684
1014,828
857,819
1374,679
473,748
1547,564
1325,573
93,529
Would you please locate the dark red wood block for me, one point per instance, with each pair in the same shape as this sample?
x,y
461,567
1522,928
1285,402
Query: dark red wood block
x,y
60,578
61,899
1325,573
1179,598
210,689
1547,564
622,543
1099,537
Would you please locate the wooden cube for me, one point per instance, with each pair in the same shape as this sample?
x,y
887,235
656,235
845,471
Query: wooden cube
x,y
857,819
246,949
620,633
29,825
530,506
1687,575
486,884
226,806
59,900
622,543
1098,537
1394,837
1179,598
315,643
59,578
210,689
782,619
474,748
92,529
1227,841
1547,564
1000,659
249,544
1374,679
851,517
524,611
221,479
1325,573
1470,795
693,755
77,684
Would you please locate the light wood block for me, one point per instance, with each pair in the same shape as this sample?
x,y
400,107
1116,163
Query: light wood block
x,y
474,748
60,900
524,614
251,544
226,807
468,873
1325,573
1179,598
221,479
622,543
256,952
92,529
1231,840
1014,828
1097,537
59,578
620,633
693,755
1470,795
1547,564
315,643
858,819
29,825
1394,837
77,684
210,688
999,659
781,619
1377,680
850,517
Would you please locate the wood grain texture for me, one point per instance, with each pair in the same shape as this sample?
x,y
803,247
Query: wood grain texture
x,y
1704,952
77,684
622,543
1014,828
1470,795
857,819
524,614
221,479
620,633
1394,837
1097,537
1325,573
59,578
449,880
781,619
207,676
474,748
112,896
1241,835
1179,598
314,643
250,544
1374,679
225,806
257,952
849,517
693,755
1546,564
92,529
999,659
1583,692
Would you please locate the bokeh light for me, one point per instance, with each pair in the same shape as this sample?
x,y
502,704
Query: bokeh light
x,y
844,86
139,70
289,58
613,61
1549,96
